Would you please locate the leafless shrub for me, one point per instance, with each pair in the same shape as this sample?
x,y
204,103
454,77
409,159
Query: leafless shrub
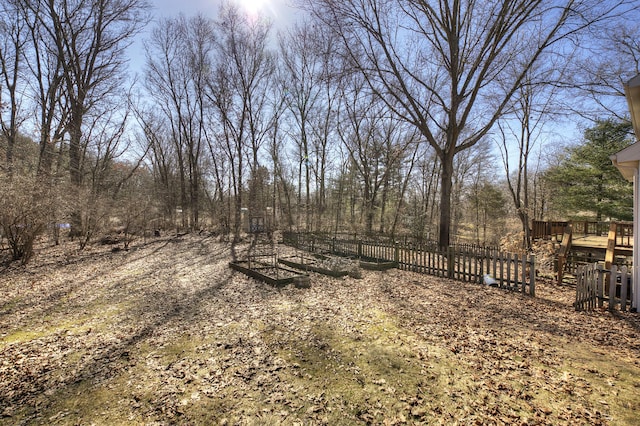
x,y
545,253
23,215
512,242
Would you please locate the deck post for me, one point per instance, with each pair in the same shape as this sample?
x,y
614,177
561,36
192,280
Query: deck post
x,y
611,245
564,251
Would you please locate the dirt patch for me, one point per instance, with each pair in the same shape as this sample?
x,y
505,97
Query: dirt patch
x,y
167,333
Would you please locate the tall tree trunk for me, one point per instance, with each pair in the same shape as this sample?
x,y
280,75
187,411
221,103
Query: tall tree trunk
x,y
526,232
75,172
308,193
383,203
45,157
238,190
403,191
299,206
446,186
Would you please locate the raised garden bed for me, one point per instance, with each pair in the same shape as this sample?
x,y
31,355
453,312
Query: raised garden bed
x,y
274,275
317,264
377,265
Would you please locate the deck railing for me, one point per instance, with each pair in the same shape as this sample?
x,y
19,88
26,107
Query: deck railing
x,y
554,229
624,234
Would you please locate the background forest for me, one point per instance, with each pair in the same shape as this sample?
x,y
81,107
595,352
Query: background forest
x,y
443,120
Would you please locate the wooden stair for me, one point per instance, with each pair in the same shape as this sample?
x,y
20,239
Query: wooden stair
x,y
619,242
611,246
565,248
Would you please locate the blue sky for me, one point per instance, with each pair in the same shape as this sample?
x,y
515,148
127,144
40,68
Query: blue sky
x,y
280,12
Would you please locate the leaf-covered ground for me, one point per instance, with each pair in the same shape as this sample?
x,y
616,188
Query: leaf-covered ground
x,y
167,333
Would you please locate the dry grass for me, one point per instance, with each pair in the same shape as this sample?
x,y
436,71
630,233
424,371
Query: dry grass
x,y
168,334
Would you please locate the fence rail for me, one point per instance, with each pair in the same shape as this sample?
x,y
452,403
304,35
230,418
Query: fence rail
x,y
555,229
468,263
547,229
596,285
624,234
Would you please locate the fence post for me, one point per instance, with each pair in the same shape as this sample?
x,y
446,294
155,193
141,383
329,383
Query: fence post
x,y
523,266
613,278
624,283
475,258
591,290
486,263
600,285
532,276
509,257
359,248
515,262
500,261
580,285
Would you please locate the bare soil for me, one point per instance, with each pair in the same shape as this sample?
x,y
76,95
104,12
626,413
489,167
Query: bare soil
x,y
167,333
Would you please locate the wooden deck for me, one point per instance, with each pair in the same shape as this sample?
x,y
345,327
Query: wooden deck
x,y
584,247
593,241
598,243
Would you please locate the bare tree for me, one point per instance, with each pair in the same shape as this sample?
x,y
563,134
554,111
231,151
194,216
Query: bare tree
x,y
599,71
535,104
90,39
467,166
218,175
423,194
164,162
362,118
13,38
166,77
376,143
441,64
47,88
487,207
201,45
237,89
179,60
325,119
281,198
31,71
107,171
405,173
308,80
301,79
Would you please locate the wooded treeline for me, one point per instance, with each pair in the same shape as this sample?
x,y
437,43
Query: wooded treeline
x,y
370,117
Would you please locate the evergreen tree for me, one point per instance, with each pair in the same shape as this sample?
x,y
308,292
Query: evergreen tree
x,y
586,184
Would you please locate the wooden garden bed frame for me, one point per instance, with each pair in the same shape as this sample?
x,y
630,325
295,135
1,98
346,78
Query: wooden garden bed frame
x,y
377,264
311,267
258,272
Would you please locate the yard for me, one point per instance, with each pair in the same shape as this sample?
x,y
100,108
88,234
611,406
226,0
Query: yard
x,y
167,333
